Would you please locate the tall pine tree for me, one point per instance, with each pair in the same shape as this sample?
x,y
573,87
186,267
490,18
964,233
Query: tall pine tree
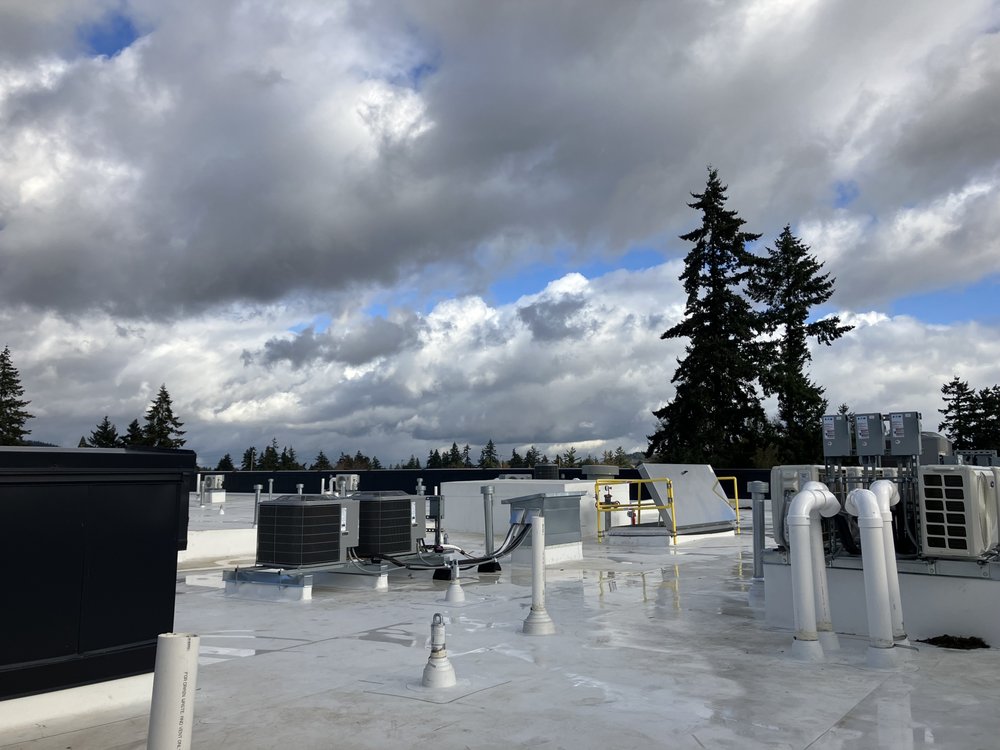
x,y
162,428
716,415
488,457
12,412
105,435
960,414
788,283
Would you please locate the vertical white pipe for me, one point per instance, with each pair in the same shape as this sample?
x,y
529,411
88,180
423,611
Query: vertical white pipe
x,y
175,676
538,621
824,619
806,644
864,505
809,567
887,494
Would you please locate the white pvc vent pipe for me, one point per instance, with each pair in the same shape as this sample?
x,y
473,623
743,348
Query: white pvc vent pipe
x,y
864,505
175,676
887,494
810,597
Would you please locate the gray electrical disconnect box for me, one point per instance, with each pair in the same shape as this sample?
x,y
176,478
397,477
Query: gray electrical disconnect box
x,y
904,433
868,434
836,436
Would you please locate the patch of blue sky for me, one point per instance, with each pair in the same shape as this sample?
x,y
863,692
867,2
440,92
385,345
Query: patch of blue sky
x,y
845,192
376,310
534,278
319,324
955,304
109,36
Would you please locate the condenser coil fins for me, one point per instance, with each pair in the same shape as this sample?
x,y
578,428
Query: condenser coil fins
x,y
295,532
388,523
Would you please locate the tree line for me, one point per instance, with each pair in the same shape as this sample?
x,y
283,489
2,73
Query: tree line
x,y
271,459
747,322
160,429
971,418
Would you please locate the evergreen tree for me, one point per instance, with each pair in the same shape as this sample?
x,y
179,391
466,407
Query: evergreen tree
x,y
434,459
515,462
716,415
270,459
162,428
454,460
988,419
488,458
225,464
376,464
621,458
466,457
288,461
413,463
361,461
960,414
105,435
531,457
569,458
134,435
83,443
249,460
12,412
789,284
321,463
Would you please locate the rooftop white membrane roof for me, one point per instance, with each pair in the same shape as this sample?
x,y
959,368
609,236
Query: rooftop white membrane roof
x,y
656,647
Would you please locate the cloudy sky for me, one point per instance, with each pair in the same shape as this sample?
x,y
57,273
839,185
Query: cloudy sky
x,y
390,225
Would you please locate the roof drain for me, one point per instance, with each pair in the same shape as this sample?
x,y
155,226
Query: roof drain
x,y
810,597
865,505
887,494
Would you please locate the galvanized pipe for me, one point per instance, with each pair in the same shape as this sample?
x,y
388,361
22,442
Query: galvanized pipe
x,y
487,492
256,501
757,491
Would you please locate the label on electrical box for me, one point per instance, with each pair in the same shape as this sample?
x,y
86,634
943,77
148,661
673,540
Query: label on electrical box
x,y
896,423
864,433
829,427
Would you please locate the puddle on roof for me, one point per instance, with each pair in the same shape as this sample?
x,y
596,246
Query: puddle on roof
x,y
206,580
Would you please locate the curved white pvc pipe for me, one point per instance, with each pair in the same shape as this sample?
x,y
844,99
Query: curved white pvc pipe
x,y
887,494
824,618
864,505
808,598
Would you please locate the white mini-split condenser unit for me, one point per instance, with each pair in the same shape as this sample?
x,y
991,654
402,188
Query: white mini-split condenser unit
x,y
958,510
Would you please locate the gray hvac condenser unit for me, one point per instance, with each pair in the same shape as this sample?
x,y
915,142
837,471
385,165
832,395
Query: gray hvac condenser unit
x,y
297,531
390,523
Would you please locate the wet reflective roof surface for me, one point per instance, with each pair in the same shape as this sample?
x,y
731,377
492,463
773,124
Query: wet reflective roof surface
x,y
656,647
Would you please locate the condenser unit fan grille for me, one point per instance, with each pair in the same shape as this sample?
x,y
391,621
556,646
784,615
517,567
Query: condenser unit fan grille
x,y
385,527
298,535
946,512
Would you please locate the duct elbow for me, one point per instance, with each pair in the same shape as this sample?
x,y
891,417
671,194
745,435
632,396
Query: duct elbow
x,y
813,498
865,505
887,494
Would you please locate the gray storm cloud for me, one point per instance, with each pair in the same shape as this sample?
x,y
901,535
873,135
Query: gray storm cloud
x,y
246,152
171,213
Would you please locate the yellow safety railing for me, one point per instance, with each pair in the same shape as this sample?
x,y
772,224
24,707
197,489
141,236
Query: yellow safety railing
x,y
606,506
736,501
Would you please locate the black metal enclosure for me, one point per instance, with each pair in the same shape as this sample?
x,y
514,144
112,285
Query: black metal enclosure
x,y
88,543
